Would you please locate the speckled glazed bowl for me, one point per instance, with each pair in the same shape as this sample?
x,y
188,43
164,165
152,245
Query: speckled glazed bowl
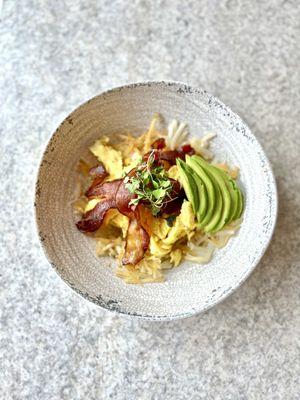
x,y
190,288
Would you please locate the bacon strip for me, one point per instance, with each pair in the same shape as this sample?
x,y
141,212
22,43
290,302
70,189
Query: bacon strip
x,y
93,219
162,156
123,198
98,173
117,196
158,144
106,189
114,195
137,242
173,204
137,239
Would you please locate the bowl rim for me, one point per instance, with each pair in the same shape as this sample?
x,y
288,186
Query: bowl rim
x,y
189,89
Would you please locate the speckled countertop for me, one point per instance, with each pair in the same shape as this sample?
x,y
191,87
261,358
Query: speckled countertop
x,y
55,55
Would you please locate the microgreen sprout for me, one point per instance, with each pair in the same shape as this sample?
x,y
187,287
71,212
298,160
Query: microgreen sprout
x,y
151,185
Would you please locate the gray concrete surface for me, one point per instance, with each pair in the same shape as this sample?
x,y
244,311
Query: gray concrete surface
x,y
55,55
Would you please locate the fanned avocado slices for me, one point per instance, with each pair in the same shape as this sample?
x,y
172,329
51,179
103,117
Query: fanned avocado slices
x,y
220,183
215,197
210,190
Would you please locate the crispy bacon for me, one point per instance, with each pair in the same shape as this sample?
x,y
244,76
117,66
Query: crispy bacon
x,y
173,204
166,158
187,149
115,195
137,239
98,173
171,155
93,219
106,189
137,242
158,144
123,198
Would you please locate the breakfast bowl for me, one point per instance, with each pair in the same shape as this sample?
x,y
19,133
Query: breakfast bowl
x,y
192,287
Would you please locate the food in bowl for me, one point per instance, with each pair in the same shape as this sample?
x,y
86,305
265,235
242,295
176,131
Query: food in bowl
x,y
155,200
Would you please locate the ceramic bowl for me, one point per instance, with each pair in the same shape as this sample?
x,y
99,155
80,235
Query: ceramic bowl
x,y
190,288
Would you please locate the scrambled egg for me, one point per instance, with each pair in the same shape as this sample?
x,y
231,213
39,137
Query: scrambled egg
x,y
158,248
163,237
91,204
155,226
118,220
132,161
111,158
173,173
184,224
128,146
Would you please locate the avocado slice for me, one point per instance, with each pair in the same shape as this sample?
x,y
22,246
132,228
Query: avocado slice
x,y
235,194
224,192
241,205
188,183
216,220
202,194
210,190
215,197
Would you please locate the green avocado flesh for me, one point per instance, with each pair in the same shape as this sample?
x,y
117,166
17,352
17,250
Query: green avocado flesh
x,y
210,190
215,197
188,183
202,195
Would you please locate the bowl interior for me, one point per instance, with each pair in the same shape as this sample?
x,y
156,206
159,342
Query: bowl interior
x,y
189,288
